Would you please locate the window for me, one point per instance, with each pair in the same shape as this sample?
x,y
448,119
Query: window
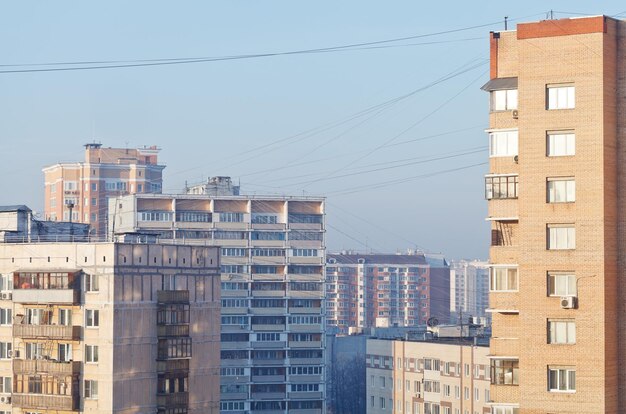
x,y
561,96
561,284
232,406
6,316
504,410
70,186
561,332
561,237
92,318
503,279
503,143
6,350
501,186
5,385
91,353
457,392
476,394
34,350
231,217
561,379
231,251
174,348
381,382
91,283
382,403
561,144
65,352
91,389
504,100
505,371
94,187
561,190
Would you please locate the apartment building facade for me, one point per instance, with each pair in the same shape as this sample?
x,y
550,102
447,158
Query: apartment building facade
x,y
469,289
79,191
427,377
109,328
557,130
369,290
272,261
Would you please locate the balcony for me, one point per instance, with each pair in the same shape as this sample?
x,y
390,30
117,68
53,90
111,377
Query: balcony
x,y
307,395
268,293
46,402
173,296
61,332
268,396
265,379
173,330
267,311
315,311
38,366
305,344
268,362
173,400
268,344
173,365
47,296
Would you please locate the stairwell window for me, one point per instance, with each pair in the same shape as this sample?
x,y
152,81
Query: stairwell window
x,y
562,379
561,190
503,279
560,96
503,143
561,237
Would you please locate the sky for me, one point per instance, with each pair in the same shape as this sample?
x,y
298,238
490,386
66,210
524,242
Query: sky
x,y
391,132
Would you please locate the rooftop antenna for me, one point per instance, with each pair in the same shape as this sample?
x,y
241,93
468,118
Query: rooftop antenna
x,y
506,22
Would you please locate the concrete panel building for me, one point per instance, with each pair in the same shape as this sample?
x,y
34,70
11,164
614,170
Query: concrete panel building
x,y
272,261
469,289
109,328
369,290
427,377
557,129
79,191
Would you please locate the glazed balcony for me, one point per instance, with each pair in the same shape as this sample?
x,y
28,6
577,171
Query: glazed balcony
x,y
173,330
173,296
178,399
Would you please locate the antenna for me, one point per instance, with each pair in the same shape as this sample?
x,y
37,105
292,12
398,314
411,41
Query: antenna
x,y
506,22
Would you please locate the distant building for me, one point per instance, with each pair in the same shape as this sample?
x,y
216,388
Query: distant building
x,y
369,290
79,191
469,284
442,376
106,327
214,186
272,264
17,224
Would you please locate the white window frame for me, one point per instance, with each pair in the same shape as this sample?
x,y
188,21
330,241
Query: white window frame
x,y
503,100
561,190
560,96
563,377
91,354
561,237
562,331
570,284
92,321
91,389
508,286
560,143
503,142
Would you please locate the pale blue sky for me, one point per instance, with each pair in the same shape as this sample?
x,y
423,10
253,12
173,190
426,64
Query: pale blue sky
x,y
206,115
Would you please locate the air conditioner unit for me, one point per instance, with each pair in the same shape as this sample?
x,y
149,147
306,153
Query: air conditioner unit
x,y
5,399
568,302
7,295
515,114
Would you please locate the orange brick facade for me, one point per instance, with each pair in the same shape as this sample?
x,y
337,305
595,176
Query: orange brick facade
x,y
588,55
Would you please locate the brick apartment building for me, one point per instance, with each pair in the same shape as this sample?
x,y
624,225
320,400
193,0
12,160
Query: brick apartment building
x,y
558,254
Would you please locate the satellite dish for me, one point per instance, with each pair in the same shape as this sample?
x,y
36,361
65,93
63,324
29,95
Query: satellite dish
x,y
432,322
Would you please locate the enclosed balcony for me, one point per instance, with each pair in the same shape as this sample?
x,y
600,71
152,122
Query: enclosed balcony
x,y
173,296
45,402
38,366
49,287
58,332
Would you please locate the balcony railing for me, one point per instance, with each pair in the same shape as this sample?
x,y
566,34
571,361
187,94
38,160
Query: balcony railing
x,y
47,331
37,366
173,330
45,402
173,365
173,400
173,296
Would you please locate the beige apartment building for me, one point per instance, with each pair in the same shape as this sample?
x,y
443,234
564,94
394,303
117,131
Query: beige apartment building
x,y
78,191
557,129
109,328
272,271
443,376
